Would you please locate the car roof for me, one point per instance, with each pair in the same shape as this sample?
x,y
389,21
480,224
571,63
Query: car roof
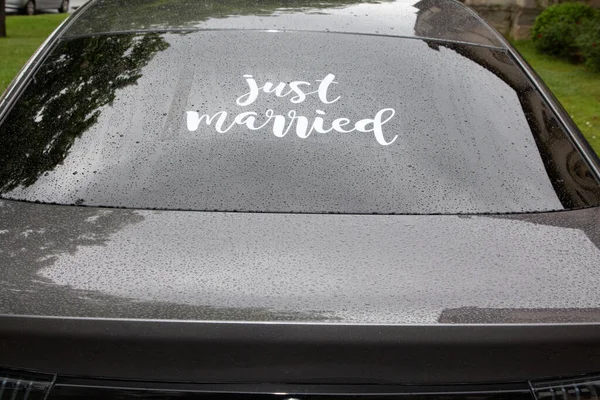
x,y
442,20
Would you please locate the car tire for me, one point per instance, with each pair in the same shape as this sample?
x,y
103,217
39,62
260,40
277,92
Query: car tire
x,y
29,8
64,6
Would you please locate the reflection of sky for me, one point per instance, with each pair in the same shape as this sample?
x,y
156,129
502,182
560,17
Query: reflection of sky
x,y
357,18
455,151
453,21
370,269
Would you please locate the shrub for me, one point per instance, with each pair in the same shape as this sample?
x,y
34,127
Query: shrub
x,y
555,30
588,42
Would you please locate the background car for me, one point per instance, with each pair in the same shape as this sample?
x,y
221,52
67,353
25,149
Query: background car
x,y
30,7
290,200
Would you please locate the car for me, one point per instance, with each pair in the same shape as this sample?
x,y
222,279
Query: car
x,y
30,7
302,199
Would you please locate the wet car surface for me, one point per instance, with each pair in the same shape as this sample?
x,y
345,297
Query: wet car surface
x,y
310,193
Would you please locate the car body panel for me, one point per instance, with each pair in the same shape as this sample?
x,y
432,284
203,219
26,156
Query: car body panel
x,y
39,4
15,4
43,4
94,262
288,353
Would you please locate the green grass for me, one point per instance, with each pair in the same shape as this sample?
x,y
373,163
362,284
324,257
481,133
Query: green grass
x,y
577,89
24,35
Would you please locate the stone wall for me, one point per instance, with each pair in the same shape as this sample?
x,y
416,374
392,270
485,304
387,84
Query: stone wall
x,y
514,18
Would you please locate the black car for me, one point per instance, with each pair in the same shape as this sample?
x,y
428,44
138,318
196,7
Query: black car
x,y
293,200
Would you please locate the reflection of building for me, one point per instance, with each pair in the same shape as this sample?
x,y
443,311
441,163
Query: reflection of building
x,y
514,17
432,21
510,17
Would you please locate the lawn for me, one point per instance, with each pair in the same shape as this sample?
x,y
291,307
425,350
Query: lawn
x,y
576,88
25,34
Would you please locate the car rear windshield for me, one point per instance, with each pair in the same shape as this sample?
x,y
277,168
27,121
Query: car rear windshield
x,y
305,122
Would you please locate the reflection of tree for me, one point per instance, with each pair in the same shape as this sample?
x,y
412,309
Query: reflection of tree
x,y
33,236
65,99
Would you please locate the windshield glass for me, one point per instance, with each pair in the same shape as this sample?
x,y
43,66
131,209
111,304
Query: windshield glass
x,y
287,122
